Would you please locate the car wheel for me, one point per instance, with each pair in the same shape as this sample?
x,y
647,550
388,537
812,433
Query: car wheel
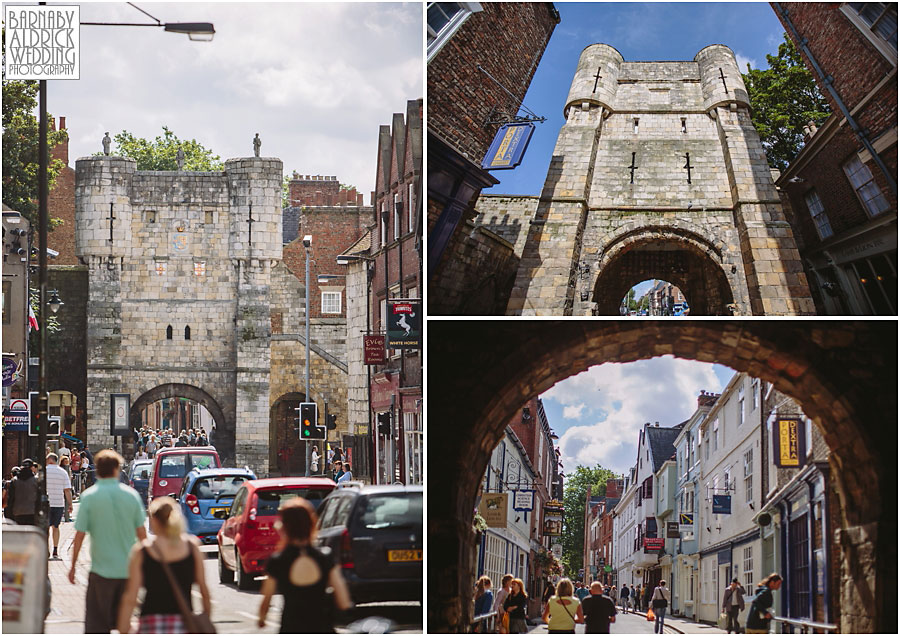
x,y
244,580
225,575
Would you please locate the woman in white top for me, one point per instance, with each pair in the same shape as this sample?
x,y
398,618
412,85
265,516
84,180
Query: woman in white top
x,y
315,460
659,602
563,609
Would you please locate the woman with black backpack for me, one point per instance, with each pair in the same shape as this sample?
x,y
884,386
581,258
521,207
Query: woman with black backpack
x,y
659,603
758,617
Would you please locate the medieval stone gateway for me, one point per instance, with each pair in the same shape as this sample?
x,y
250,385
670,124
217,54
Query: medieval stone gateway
x,y
842,374
658,172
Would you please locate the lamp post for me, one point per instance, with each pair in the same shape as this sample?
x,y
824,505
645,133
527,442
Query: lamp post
x,y
307,243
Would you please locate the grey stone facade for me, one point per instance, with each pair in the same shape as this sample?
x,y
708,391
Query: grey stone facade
x,y
718,232
181,252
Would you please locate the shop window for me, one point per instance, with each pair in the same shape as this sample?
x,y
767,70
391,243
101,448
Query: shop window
x,y
876,278
799,567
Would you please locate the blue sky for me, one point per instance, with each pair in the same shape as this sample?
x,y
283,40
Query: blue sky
x,y
597,414
640,32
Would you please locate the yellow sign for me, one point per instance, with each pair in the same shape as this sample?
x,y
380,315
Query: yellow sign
x,y
493,508
788,443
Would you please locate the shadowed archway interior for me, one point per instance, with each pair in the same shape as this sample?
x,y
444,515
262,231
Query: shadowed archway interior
x,y
842,374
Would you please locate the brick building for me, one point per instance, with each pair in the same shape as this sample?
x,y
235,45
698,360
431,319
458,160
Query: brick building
x,y
384,264
842,185
470,269
598,533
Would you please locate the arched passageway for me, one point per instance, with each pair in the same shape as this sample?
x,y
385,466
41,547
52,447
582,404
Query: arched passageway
x,y
683,263
842,374
224,435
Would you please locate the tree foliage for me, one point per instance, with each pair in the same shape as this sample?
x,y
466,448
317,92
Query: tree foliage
x,y
573,516
20,148
784,98
160,154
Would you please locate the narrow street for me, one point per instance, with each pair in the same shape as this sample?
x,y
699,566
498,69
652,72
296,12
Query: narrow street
x,y
234,611
638,624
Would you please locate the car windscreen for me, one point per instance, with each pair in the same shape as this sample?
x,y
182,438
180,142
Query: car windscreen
x,y
141,471
177,465
218,486
391,510
268,501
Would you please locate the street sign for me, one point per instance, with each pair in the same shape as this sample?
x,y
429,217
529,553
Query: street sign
x,y
493,508
404,324
721,504
654,544
119,410
17,416
790,446
686,522
11,370
508,147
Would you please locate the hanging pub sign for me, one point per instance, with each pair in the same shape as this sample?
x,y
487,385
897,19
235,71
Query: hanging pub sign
x,y
373,349
493,508
553,518
523,500
789,444
12,370
721,504
508,147
404,324
672,531
686,522
654,544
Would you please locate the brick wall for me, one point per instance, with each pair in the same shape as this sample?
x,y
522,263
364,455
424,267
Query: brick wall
x,y
307,190
61,204
332,229
507,40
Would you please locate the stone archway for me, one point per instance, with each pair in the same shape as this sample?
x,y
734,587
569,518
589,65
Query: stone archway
x,y
224,435
287,453
688,262
843,375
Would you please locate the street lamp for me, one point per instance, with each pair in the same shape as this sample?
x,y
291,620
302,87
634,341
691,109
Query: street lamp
x,y
55,303
196,31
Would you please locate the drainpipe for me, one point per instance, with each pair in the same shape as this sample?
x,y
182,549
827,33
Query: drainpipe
x,y
828,80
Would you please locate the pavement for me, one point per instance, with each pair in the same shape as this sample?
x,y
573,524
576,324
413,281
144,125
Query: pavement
x,y
637,623
67,605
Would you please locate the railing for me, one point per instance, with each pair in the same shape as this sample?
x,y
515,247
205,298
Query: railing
x,y
806,627
485,624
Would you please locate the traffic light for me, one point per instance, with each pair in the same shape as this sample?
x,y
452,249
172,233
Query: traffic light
x,y
53,426
309,422
331,423
33,426
384,424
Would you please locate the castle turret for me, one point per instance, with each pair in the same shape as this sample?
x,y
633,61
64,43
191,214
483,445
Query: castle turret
x,y
596,78
256,208
103,198
720,77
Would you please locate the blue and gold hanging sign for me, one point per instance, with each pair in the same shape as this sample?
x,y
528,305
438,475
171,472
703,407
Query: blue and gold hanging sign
x,y
508,146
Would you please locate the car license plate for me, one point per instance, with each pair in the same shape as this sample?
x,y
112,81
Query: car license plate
x,y
214,509
404,555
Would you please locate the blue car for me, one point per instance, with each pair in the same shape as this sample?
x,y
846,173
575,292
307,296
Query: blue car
x,y
205,492
139,476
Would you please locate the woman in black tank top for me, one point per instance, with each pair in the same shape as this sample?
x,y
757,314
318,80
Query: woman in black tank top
x,y
160,613
303,574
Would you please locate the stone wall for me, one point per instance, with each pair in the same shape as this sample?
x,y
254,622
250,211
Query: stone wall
x,y
358,417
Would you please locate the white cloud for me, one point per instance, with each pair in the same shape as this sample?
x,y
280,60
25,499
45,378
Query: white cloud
x,y
742,62
660,390
573,411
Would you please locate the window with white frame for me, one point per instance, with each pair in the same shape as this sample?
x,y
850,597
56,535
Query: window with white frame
x,y
706,444
728,484
740,406
444,18
808,436
331,302
748,475
715,427
384,220
867,190
754,391
817,211
398,209
878,20
748,567
690,439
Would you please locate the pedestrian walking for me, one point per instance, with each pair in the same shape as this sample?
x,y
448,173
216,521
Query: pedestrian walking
x,y
112,513
315,460
59,492
484,597
152,445
733,604
759,617
646,593
347,474
169,548
563,609
329,456
302,574
599,610
337,470
515,604
623,597
549,590
23,494
582,592
502,594
660,602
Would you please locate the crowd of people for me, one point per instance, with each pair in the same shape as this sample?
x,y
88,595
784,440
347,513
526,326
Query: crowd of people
x,y
567,604
148,441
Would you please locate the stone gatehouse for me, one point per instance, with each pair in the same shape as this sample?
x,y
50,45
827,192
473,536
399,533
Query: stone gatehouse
x,y
659,173
185,277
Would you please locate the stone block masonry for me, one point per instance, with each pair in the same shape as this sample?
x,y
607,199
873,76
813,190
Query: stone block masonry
x,y
658,173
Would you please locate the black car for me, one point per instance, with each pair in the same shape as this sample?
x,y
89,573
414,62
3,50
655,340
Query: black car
x,y
375,534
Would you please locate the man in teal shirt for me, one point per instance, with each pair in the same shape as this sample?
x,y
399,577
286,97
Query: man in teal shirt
x,y
112,513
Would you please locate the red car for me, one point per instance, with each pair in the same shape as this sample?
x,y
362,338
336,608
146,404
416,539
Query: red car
x,y
248,537
172,464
